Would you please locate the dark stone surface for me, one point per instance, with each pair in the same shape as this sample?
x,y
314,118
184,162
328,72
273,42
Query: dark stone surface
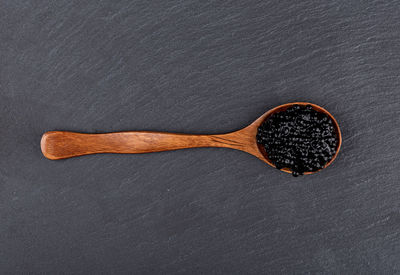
x,y
197,67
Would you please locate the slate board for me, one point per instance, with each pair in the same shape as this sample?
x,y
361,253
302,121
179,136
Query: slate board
x,y
197,67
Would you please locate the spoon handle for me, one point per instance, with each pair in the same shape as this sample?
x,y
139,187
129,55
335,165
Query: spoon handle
x,y
61,144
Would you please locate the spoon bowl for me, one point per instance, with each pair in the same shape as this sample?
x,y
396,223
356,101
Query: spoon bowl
x,y
257,123
64,144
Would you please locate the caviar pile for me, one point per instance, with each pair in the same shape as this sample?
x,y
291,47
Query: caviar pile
x,y
298,138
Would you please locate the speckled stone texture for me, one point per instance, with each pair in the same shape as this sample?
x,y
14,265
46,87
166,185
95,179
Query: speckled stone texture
x,y
197,67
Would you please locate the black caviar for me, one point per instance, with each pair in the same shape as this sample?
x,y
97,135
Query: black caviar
x,y
299,138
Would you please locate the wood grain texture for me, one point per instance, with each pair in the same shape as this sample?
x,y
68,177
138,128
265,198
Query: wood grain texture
x,y
198,67
60,145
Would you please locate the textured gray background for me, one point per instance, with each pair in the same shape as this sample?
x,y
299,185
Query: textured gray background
x,y
197,67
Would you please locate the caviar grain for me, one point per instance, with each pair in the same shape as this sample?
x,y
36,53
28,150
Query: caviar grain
x,y
299,138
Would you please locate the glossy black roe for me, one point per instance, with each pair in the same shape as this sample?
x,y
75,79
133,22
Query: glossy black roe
x,y
298,138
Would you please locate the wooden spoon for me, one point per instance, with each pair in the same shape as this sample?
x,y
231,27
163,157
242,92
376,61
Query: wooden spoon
x,y
61,144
